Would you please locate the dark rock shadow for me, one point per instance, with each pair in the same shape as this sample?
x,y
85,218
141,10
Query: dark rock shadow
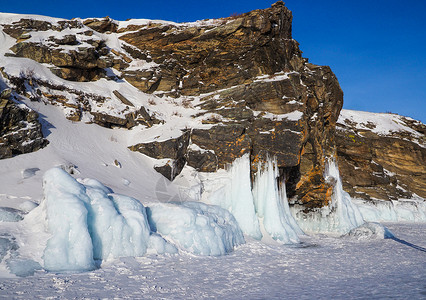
x,y
46,126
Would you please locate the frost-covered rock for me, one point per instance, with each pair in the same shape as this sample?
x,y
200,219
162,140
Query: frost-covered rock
x,y
370,230
196,227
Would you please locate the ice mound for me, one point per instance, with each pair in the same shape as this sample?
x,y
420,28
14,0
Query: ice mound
x,y
368,231
232,192
87,223
65,200
196,227
272,206
339,217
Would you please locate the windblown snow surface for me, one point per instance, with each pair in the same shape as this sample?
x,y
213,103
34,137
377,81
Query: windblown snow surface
x,y
87,218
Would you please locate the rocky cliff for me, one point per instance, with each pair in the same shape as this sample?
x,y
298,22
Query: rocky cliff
x,y
208,93
262,97
381,156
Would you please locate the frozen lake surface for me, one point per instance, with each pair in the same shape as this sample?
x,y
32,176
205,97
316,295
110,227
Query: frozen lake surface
x,y
321,268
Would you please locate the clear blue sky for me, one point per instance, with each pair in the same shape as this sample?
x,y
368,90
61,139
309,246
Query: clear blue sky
x,y
377,48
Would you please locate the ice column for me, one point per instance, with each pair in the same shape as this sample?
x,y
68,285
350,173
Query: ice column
x,y
70,247
348,214
272,206
233,192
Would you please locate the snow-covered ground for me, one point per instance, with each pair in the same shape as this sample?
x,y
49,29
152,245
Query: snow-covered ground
x,y
319,268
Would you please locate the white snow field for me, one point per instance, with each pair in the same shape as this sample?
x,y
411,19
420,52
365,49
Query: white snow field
x,y
87,218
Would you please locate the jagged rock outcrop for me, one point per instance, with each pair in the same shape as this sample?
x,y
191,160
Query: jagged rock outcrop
x,y
81,56
381,156
20,130
101,25
264,98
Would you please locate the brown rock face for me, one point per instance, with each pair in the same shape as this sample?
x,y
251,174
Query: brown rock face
x,y
221,54
385,166
264,98
101,25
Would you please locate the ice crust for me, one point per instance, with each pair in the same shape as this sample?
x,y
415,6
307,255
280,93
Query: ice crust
x,y
196,227
393,211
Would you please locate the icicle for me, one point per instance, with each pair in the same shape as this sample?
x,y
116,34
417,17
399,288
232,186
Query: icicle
x,y
233,192
272,206
348,214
